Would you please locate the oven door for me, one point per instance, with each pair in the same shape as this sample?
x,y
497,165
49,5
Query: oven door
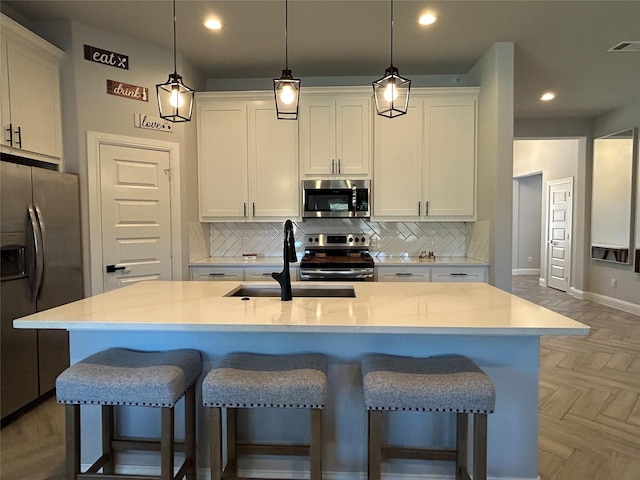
x,y
364,274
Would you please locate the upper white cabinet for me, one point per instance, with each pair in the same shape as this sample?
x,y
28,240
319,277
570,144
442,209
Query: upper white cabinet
x,y
30,94
425,161
335,134
247,160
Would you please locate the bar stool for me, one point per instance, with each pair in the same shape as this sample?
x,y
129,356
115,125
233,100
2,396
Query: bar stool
x,y
119,376
247,380
451,383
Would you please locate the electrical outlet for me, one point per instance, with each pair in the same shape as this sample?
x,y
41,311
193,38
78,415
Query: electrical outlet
x,y
614,283
530,259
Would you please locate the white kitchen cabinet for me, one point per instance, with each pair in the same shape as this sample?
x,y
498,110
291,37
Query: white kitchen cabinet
x,y
247,161
425,161
216,274
459,274
395,273
335,134
30,94
256,273
262,274
431,273
222,160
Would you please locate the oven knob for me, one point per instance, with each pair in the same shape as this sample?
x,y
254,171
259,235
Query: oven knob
x,y
357,239
351,239
363,239
311,239
316,239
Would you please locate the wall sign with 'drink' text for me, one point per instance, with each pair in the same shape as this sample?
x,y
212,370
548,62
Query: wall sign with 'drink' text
x,y
134,92
106,57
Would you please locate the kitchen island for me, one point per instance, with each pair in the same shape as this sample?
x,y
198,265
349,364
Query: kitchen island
x,y
497,330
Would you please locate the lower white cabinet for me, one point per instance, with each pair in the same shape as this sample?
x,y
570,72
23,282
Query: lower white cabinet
x,y
432,273
212,273
216,274
402,274
459,274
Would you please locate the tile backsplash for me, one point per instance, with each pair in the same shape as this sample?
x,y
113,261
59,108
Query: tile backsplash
x,y
446,239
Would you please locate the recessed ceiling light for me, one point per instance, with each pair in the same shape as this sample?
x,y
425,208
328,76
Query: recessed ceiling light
x,y
213,24
547,96
427,19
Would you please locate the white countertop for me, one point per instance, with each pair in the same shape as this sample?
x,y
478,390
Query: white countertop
x,y
379,307
379,260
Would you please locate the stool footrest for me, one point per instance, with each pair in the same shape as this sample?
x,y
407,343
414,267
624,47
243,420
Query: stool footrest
x,y
145,444
272,449
415,453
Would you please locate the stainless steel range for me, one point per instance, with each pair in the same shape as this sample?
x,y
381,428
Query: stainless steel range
x,y
334,257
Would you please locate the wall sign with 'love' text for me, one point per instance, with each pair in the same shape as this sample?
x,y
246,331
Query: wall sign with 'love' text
x,y
134,92
106,57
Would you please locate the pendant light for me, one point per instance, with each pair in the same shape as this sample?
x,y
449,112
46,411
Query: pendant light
x,y
175,99
391,92
286,88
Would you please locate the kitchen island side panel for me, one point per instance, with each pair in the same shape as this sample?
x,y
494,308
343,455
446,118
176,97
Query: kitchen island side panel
x,y
512,362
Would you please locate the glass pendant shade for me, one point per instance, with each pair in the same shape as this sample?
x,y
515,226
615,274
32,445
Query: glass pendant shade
x,y
287,93
391,93
175,99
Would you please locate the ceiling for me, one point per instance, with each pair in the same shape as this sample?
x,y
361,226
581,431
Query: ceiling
x,y
559,45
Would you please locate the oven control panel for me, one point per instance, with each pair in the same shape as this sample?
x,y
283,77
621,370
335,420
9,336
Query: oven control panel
x,y
337,240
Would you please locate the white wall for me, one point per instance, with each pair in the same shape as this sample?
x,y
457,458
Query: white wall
x,y
554,159
494,74
87,107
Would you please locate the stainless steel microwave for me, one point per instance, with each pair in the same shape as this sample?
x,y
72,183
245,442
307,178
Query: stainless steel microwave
x,y
336,198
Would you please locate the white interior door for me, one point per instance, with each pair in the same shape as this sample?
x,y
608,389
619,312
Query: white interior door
x,y
559,206
136,215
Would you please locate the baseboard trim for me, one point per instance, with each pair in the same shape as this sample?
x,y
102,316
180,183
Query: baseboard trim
x,y
525,271
616,303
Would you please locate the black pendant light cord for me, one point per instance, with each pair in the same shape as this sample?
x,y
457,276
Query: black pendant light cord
x,y
286,34
392,33
175,67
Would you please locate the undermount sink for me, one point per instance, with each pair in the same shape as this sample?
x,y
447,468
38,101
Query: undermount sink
x,y
248,291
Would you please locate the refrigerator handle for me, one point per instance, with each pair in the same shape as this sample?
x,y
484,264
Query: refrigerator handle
x,y
36,227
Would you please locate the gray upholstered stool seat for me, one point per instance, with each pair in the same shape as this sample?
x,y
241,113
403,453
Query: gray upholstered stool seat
x,y
450,383
119,376
247,380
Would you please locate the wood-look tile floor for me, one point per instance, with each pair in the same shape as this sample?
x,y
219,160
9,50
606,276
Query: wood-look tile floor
x,y
589,411
589,402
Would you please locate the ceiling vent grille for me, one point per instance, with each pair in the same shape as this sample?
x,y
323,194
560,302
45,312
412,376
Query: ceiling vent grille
x,y
627,46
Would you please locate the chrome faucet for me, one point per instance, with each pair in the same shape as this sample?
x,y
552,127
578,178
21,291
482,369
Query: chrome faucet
x,y
288,256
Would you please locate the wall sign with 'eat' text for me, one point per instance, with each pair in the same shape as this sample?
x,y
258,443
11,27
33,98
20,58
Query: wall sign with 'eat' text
x,y
106,57
134,92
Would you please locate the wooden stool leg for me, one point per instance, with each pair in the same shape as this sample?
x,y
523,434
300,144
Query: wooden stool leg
x,y
462,445
232,441
167,444
215,445
375,445
190,432
480,446
72,422
315,444
108,434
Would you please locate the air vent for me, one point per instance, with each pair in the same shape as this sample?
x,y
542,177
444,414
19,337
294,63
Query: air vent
x,y
627,46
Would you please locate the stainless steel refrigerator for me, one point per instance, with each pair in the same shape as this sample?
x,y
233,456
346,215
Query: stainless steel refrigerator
x,y
41,269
